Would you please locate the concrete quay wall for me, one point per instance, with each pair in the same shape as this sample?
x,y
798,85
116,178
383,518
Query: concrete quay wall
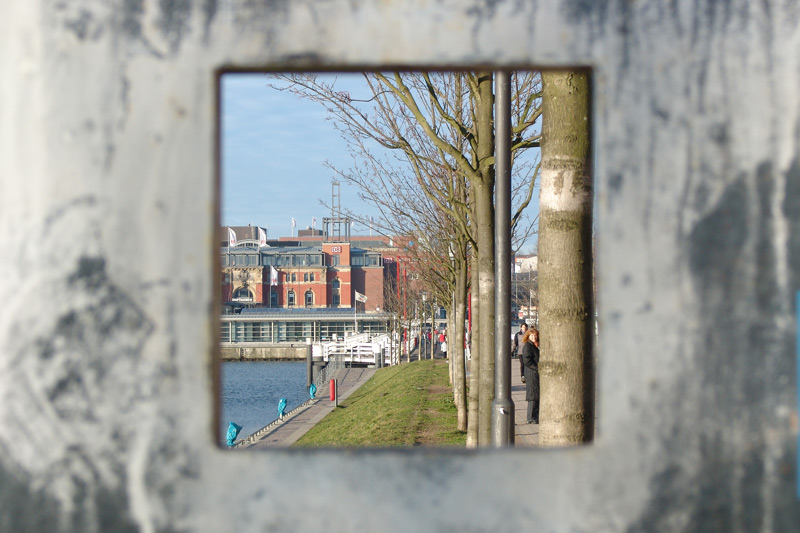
x,y
264,352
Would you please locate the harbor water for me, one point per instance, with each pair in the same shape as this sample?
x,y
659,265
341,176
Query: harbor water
x,y
251,390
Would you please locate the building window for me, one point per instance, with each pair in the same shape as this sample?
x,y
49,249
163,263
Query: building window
x,y
305,277
309,298
273,299
335,284
294,277
334,260
311,277
290,299
242,294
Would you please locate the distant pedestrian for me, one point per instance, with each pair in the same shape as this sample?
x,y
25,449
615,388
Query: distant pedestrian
x,y
516,348
530,359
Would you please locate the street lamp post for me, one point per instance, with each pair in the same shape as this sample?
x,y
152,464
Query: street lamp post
x,y
530,305
434,308
502,406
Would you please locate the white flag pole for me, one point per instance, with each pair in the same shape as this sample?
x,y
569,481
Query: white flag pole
x,y
230,271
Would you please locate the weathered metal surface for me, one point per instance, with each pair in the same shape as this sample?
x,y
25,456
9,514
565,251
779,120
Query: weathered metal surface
x,y
107,218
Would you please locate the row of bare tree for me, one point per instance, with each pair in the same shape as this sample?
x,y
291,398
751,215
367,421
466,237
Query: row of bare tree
x,y
422,147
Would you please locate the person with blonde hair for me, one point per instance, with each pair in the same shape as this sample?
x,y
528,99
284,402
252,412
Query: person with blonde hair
x,y
530,361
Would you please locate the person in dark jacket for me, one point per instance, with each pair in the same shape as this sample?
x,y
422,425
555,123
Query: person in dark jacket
x,y
530,360
516,348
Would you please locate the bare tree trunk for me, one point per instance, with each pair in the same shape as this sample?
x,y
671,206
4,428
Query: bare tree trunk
x,y
474,363
449,338
484,221
456,346
565,262
449,353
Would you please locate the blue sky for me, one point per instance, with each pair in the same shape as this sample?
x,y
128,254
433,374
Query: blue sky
x,y
274,146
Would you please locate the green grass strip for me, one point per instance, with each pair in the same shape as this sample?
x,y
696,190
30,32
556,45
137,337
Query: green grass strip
x,y
400,406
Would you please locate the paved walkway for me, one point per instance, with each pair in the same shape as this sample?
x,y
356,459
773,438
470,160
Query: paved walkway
x,y
296,425
525,435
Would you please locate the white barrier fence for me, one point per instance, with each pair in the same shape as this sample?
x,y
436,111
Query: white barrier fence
x,y
359,349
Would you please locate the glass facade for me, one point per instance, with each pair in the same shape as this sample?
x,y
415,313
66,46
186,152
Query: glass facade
x,y
275,331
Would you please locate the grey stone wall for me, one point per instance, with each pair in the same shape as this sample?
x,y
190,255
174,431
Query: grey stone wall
x,y
108,116
274,352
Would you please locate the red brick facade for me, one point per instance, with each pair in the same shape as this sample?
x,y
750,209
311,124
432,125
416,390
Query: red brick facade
x,y
252,283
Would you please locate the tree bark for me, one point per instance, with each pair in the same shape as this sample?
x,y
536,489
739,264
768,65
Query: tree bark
x,y
474,363
484,221
565,262
456,346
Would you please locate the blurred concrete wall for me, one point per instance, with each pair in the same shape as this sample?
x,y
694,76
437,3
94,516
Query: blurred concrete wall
x,y
108,117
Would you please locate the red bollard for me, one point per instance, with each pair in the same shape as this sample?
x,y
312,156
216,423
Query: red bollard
x,y
334,392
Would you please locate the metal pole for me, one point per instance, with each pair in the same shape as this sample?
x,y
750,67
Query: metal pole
x,y
433,325
502,406
230,270
309,363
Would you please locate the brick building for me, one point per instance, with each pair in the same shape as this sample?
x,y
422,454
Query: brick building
x,y
303,272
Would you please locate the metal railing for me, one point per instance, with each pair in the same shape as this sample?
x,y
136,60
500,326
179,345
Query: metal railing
x,y
361,349
328,372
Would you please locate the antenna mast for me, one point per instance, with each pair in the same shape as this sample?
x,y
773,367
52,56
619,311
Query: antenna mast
x,y
337,227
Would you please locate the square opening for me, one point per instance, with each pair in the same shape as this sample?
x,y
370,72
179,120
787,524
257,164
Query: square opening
x,y
349,226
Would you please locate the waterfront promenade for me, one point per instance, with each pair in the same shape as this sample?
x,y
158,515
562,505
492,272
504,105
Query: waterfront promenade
x,y
302,420
298,424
